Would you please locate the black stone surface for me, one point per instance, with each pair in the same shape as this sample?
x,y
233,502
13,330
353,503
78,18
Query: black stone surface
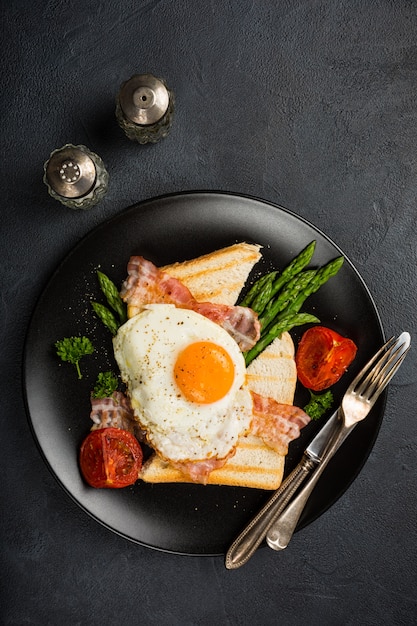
x,y
311,105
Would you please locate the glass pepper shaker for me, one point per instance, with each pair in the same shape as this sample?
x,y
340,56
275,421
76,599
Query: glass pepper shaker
x,y
144,108
75,176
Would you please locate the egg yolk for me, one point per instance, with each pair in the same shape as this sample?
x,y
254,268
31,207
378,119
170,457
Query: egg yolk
x,y
204,372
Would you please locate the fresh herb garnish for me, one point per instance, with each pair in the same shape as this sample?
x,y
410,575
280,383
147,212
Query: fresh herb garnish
x,y
72,349
106,385
318,404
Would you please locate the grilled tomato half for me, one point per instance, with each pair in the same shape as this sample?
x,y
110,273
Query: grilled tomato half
x,y
110,458
322,357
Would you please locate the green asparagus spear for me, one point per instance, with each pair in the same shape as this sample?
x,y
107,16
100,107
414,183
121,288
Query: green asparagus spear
x,y
270,284
288,293
321,277
256,299
113,298
296,265
278,300
263,296
257,288
106,316
276,330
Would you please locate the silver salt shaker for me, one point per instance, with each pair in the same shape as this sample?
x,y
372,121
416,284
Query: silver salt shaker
x,y
76,176
144,108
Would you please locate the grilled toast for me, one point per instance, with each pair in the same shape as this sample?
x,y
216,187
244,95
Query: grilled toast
x,y
220,277
217,277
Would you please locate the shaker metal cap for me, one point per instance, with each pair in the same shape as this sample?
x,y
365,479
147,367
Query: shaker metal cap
x,y
144,99
70,172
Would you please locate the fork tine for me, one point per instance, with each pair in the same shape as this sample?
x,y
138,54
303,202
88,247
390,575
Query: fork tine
x,y
367,370
372,369
386,373
374,377
378,370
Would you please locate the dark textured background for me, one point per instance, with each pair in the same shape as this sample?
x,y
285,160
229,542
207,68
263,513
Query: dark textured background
x,y
306,103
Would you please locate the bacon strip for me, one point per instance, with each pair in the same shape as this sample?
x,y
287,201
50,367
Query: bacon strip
x,y
277,424
199,471
146,284
239,321
115,412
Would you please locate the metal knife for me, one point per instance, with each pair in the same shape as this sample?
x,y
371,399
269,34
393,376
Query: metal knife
x,y
254,533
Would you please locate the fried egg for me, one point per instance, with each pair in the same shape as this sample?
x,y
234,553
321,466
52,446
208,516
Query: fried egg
x,y
186,380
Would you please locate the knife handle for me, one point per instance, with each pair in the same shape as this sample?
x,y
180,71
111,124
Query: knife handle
x,y
250,538
282,529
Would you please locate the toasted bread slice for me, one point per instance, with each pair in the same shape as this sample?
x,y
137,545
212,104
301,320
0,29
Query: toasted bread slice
x,y
273,373
220,277
253,465
217,277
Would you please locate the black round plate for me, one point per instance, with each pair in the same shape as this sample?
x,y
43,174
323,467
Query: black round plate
x,y
182,518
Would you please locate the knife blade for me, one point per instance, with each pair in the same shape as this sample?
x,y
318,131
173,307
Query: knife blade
x,y
318,444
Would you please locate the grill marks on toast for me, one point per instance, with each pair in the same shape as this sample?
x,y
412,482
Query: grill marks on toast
x,y
273,373
253,465
218,277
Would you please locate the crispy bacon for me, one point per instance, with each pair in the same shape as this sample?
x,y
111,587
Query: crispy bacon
x,y
146,284
115,412
239,321
277,424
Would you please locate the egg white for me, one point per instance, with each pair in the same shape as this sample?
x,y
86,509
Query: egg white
x,y
146,348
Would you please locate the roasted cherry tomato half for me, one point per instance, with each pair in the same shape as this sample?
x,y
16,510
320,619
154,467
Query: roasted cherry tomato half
x,y
322,357
111,458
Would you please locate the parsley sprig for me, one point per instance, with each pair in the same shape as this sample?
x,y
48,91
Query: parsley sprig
x,y
72,349
106,385
318,404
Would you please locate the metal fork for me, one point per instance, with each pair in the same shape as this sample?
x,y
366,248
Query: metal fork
x,y
358,400
377,374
